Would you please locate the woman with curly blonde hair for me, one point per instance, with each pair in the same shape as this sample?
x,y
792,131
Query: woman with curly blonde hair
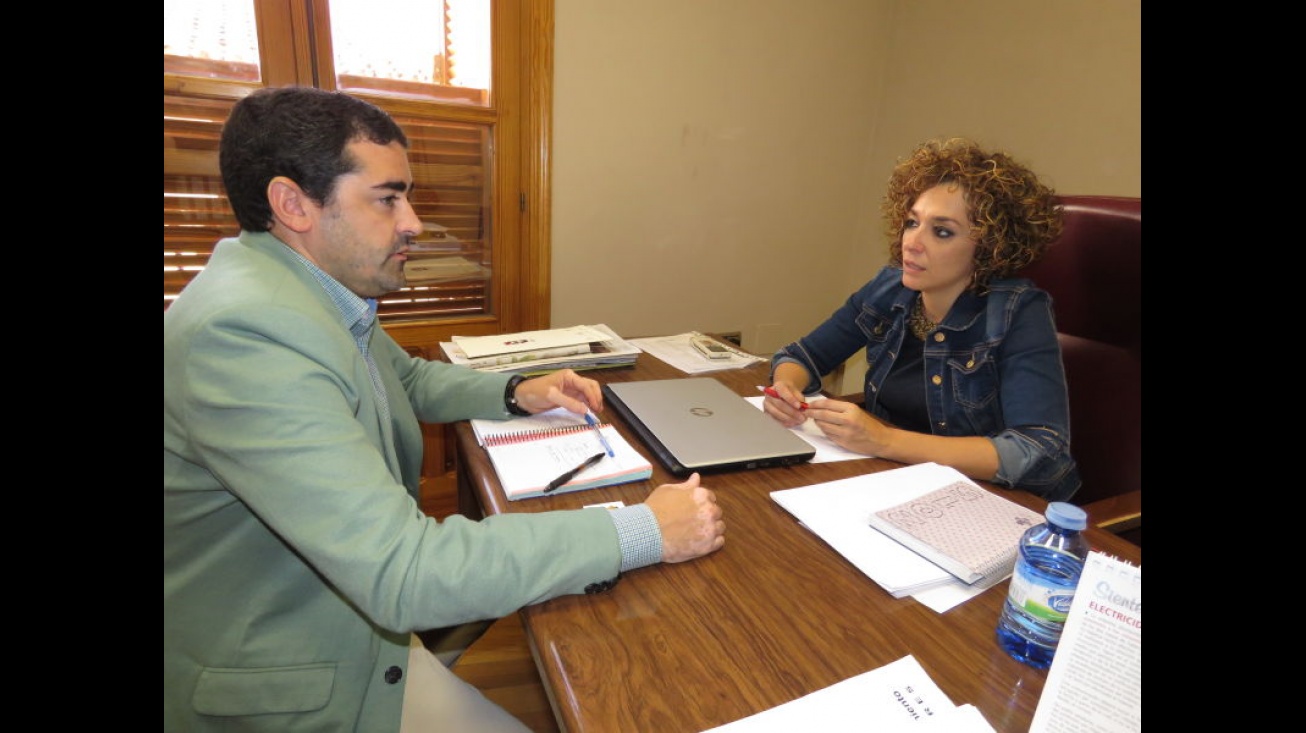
x,y
963,364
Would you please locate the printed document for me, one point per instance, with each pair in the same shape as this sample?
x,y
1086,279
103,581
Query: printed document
x,y
899,696
1095,684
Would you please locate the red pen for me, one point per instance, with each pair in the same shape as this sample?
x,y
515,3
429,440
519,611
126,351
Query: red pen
x,y
770,392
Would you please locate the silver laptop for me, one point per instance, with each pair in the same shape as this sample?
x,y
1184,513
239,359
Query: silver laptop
x,y
699,424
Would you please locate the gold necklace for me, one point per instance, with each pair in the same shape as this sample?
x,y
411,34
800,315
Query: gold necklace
x,y
920,324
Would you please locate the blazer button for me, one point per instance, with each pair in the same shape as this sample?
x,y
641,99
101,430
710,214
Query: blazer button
x,y
393,675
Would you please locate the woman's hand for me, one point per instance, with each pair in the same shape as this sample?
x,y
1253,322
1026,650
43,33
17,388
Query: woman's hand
x,y
850,427
785,403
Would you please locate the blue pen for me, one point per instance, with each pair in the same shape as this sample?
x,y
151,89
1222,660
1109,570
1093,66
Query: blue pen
x,y
594,423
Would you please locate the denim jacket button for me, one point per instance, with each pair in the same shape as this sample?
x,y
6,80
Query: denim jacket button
x,y
970,364
938,337
937,380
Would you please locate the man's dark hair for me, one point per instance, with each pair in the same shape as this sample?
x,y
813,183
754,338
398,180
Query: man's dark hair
x,y
299,133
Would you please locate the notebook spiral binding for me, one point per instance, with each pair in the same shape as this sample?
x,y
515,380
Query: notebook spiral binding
x,y
524,435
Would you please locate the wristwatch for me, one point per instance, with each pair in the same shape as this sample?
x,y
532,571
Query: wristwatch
x,y
510,396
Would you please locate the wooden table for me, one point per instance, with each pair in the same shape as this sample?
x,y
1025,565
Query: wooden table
x,y
775,615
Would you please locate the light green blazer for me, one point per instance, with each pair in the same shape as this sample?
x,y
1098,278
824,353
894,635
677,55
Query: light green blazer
x,y
296,560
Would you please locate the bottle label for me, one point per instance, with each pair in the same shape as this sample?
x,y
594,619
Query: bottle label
x,y
1042,601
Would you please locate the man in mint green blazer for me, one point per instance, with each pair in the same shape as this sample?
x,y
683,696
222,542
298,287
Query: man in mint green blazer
x,y
296,561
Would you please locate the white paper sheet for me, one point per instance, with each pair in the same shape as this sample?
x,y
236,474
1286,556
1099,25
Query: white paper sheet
x,y
826,450
836,511
679,352
1096,679
900,696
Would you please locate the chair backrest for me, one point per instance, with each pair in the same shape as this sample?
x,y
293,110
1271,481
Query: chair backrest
x,y
1094,274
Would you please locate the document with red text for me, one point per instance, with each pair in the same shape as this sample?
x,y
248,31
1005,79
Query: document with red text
x,y
1095,683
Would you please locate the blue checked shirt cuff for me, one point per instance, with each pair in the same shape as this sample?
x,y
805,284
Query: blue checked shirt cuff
x,y
639,535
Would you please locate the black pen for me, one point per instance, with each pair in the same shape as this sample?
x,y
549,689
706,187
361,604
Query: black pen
x,y
564,478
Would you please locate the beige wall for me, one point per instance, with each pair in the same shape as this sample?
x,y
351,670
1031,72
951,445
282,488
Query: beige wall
x,y
717,164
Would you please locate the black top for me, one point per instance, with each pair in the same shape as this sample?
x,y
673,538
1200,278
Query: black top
x,y
903,392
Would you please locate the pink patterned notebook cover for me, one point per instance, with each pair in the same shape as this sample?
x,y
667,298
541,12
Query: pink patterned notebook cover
x,y
964,529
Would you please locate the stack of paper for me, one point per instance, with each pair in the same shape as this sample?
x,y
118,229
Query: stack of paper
x,y
575,347
838,512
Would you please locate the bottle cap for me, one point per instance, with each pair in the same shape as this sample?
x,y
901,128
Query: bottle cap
x,y
1066,515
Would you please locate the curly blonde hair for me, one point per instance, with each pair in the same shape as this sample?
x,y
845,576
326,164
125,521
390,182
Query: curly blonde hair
x,y
1016,216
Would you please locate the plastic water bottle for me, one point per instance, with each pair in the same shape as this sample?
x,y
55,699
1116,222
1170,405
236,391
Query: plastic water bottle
x,y
1049,561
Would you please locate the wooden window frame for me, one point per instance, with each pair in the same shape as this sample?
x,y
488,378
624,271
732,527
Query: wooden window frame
x,y
519,291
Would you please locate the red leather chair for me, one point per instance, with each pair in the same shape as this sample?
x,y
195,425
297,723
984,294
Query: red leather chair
x,y
1094,272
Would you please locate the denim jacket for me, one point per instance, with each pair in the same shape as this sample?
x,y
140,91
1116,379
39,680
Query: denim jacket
x,y
994,368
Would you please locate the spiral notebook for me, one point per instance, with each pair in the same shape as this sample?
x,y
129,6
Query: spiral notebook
x,y
530,452
964,529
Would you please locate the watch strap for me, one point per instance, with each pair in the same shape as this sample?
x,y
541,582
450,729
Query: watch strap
x,y
510,396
